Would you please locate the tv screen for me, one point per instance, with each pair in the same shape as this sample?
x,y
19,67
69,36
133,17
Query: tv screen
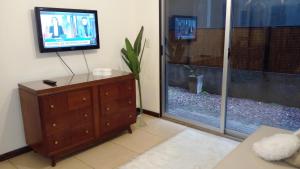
x,y
185,27
66,29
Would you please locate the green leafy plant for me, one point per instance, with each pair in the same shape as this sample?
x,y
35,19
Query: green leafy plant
x,y
132,56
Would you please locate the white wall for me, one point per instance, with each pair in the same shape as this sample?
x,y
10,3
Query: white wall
x,y
147,14
20,60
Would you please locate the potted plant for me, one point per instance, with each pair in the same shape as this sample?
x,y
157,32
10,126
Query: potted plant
x,y
195,80
132,55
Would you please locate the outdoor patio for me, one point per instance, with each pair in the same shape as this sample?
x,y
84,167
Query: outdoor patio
x,y
243,115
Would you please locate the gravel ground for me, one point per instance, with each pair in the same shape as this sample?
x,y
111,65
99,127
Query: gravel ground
x,y
243,115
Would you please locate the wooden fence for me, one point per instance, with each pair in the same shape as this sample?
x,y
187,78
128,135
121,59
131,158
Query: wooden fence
x,y
260,49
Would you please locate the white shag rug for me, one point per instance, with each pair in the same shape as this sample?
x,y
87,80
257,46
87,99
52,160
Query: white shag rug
x,y
189,149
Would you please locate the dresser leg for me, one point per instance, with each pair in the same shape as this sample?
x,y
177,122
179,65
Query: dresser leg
x,y
129,130
53,162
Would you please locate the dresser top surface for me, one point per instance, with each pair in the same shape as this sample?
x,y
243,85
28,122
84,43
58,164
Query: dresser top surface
x,y
71,80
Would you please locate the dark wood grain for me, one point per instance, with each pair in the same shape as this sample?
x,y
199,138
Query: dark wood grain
x,y
32,121
69,83
79,99
80,111
96,111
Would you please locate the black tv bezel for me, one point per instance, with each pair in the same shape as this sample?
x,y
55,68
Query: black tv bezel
x,y
186,17
62,49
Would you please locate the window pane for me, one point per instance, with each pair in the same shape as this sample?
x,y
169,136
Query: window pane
x,y
195,59
264,83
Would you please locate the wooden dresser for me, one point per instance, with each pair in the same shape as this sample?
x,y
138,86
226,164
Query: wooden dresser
x,y
80,112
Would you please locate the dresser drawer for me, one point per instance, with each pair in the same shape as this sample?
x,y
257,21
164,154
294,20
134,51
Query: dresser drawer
x,y
128,88
117,90
118,106
116,121
109,91
131,117
82,133
59,123
59,140
54,105
83,116
79,99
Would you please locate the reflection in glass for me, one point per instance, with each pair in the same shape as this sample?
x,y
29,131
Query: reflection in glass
x,y
264,84
195,44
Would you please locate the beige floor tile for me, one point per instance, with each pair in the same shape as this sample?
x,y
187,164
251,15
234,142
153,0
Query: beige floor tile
x,y
163,128
139,141
148,118
6,165
34,161
106,156
30,160
142,122
71,163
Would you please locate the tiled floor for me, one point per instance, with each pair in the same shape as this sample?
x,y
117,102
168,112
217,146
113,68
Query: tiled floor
x,y
109,155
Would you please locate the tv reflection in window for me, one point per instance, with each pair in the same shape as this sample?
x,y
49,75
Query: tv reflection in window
x,y
185,27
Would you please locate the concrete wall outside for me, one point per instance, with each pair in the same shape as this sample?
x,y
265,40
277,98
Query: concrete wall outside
x,y
269,87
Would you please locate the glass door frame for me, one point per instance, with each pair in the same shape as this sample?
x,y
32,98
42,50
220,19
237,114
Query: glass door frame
x,y
225,73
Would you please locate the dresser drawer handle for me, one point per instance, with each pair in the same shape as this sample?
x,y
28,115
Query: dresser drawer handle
x,y
129,88
107,124
107,108
56,142
129,102
86,115
106,93
130,116
84,99
54,125
52,106
87,131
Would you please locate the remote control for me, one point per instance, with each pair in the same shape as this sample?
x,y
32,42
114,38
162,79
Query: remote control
x,y
50,82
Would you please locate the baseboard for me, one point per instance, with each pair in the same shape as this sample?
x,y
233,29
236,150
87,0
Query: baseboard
x,y
150,113
14,153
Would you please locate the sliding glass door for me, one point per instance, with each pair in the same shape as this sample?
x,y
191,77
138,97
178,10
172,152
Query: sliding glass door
x,y
194,43
232,65
264,81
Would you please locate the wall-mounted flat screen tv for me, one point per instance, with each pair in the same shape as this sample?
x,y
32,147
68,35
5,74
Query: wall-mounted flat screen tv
x,y
66,29
185,27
